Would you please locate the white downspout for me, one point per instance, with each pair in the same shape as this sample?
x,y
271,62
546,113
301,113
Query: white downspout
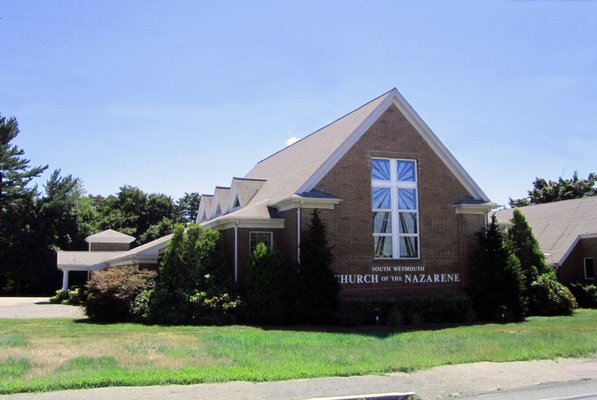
x,y
236,251
298,233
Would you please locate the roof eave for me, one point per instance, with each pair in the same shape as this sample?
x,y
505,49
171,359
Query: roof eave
x,y
239,222
482,208
297,201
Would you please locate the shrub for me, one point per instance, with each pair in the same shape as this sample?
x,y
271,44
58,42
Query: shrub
x,y
497,279
192,285
111,292
551,297
59,297
586,295
540,279
74,297
265,291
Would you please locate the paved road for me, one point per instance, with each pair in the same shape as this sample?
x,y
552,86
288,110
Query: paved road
x,y
437,383
36,307
586,390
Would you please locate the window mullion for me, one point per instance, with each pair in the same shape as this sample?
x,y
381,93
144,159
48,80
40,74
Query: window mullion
x,y
394,201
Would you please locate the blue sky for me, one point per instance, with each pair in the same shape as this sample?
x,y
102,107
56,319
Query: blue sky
x,y
180,96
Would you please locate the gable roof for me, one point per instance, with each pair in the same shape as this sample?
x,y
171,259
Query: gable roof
x,y
296,169
109,236
204,207
83,259
558,225
220,200
148,252
243,190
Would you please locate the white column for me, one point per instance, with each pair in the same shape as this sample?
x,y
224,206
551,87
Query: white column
x,y
64,280
236,251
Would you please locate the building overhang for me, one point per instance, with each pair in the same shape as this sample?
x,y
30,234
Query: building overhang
x,y
257,223
478,208
297,201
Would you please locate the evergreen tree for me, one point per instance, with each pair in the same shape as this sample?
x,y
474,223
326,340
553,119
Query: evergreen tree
x,y
21,230
317,289
265,292
15,173
497,280
546,296
60,210
526,247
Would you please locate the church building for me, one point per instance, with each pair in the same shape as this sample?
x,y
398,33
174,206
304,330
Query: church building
x,y
401,212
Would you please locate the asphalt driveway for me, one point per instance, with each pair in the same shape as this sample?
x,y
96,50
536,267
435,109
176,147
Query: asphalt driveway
x,y
36,307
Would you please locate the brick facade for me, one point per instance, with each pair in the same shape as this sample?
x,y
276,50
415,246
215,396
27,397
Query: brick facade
x,y
109,246
447,238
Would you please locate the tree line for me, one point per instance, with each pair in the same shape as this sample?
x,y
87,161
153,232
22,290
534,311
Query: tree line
x,y
35,223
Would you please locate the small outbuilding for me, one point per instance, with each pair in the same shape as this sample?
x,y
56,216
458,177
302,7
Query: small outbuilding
x,y
102,246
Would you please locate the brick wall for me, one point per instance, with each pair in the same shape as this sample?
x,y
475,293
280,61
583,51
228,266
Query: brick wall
x,y
442,248
244,249
109,246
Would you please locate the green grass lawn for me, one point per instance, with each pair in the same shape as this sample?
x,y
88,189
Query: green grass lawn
x,y
51,354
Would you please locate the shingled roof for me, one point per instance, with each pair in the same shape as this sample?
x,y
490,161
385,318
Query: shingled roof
x,y
109,236
291,174
558,225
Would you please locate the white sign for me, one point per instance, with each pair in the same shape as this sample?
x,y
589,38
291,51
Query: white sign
x,y
406,275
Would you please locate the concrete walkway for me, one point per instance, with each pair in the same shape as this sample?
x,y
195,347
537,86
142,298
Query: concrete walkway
x,y
36,307
436,383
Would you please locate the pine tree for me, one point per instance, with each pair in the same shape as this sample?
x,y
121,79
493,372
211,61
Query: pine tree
x,y
15,173
21,229
497,279
527,249
546,296
317,289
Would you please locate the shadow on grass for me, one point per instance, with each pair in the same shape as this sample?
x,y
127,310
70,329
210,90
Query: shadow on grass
x,y
378,331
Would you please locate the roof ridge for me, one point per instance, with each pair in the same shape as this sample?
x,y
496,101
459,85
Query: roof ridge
x,y
331,123
558,202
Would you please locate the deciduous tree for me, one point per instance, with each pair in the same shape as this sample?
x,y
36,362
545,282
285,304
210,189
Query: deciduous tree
x,y
563,189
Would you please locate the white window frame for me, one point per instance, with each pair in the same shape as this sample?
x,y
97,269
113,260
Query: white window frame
x,y
585,268
394,184
271,239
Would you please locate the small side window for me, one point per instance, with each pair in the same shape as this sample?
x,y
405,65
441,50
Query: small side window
x,y
260,237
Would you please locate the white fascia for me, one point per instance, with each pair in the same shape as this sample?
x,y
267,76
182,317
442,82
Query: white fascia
x,y
482,209
232,195
227,223
203,210
297,201
422,128
573,245
73,267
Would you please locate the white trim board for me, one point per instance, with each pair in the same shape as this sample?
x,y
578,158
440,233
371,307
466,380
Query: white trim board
x,y
422,128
